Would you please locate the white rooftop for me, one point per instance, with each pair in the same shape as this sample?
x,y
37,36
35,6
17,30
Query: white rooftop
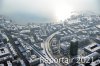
x,y
93,47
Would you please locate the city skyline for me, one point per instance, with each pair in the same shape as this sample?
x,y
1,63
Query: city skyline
x,y
49,33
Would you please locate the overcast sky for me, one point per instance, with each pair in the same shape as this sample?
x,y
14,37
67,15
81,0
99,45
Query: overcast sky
x,y
45,10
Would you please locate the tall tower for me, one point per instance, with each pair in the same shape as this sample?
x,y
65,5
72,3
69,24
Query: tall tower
x,y
73,48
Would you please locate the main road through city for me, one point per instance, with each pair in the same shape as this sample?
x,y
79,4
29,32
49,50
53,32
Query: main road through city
x,y
47,48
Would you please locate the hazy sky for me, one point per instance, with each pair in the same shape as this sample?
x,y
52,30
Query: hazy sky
x,y
23,11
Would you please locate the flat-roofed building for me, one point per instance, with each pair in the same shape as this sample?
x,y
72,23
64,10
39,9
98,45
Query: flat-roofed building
x,y
94,47
4,54
95,63
33,60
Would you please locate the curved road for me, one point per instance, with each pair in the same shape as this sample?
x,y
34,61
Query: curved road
x,y
47,48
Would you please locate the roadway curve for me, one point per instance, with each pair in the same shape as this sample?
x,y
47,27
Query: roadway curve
x,y
47,48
